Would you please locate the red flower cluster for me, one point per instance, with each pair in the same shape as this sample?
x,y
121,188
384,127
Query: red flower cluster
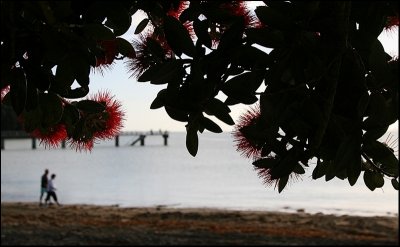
x,y
150,50
391,22
247,147
94,126
265,175
176,11
239,8
250,148
103,125
52,136
105,60
111,119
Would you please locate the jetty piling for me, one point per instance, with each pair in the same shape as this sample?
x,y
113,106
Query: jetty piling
x,y
140,137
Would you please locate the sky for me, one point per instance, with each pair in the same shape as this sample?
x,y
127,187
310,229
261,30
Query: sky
x,y
136,97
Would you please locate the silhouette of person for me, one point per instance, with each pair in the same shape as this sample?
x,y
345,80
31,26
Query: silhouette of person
x,y
51,190
43,185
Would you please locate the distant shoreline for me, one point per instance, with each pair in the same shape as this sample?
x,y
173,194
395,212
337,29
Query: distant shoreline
x,y
29,224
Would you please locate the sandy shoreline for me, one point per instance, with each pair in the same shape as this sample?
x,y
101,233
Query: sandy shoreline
x,y
29,224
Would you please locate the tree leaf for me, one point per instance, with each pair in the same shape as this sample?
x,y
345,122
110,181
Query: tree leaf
x,y
348,157
159,101
51,109
375,133
243,87
266,163
192,141
149,74
125,48
373,180
330,170
75,93
217,108
167,71
98,31
210,125
142,25
378,62
273,18
81,69
319,170
178,37
379,181
178,115
395,184
380,153
90,106
231,39
118,19
369,180
65,74
299,169
300,128
201,31
282,183
377,111
251,58
70,117
285,165
265,37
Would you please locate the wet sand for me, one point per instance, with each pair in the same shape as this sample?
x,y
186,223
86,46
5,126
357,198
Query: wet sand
x,y
29,224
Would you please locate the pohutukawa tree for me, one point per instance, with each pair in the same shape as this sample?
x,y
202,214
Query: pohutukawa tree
x,y
327,90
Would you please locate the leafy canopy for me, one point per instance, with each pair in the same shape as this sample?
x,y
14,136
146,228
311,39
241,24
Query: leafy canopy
x,y
330,91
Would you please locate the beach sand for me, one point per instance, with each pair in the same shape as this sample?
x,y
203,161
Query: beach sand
x,y
29,224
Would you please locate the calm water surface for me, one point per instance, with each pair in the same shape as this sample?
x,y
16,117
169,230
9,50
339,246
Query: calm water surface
x,y
151,175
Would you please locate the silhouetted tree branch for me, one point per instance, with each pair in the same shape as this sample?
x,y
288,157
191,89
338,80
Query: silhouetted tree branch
x,y
329,90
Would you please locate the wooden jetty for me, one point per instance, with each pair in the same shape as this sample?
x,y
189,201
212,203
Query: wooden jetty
x,y
140,137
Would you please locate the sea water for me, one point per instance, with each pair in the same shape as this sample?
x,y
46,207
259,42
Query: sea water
x,y
154,175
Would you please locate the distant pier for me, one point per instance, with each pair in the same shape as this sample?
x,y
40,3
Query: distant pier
x,y
139,137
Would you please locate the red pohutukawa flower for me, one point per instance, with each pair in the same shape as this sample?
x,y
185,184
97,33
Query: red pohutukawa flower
x,y
108,123
239,8
265,175
233,9
391,22
246,146
177,10
81,144
105,60
110,51
100,125
150,50
52,136
189,26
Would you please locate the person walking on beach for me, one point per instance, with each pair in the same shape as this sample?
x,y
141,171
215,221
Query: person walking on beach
x,y
43,185
51,190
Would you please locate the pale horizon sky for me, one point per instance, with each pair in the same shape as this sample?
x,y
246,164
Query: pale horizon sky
x,y
136,97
